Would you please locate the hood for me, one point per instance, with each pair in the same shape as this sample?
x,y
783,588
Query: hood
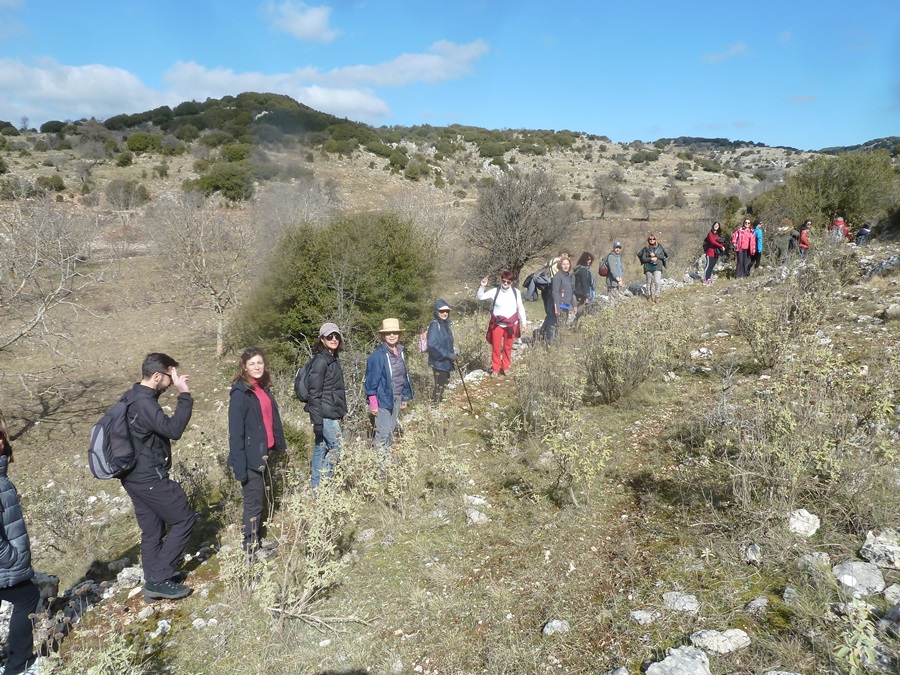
x,y
439,303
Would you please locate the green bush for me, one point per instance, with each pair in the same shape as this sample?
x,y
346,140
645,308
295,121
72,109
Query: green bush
x,y
52,183
626,345
140,142
125,159
9,131
398,160
3,167
126,194
233,180
379,148
357,269
52,127
235,152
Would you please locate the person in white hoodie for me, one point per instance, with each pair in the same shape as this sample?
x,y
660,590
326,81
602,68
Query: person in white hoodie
x,y
507,320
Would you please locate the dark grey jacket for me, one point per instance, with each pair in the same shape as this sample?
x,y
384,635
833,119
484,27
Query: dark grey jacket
x,y
327,398
153,432
248,442
15,549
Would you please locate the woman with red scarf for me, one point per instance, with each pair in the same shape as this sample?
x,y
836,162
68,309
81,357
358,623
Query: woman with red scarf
x,y
507,320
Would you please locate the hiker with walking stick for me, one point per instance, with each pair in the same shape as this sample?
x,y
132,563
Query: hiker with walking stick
x,y
441,353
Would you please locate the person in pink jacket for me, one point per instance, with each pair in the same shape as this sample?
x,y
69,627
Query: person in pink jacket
x,y
744,244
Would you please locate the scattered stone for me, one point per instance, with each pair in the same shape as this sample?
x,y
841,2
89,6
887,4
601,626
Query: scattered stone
x,y
892,594
475,500
723,642
814,562
751,554
118,565
476,517
757,607
890,622
860,577
130,576
882,549
475,376
366,535
146,613
163,626
48,585
555,626
397,667
681,661
681,602
723,334
621,670
891,313
804,523
199,624
790,596
644,617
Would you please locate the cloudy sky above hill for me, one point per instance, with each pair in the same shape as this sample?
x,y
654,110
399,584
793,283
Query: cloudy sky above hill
x,y
804,74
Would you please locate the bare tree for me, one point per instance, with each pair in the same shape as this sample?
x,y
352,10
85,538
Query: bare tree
x,y
517,219
280,205
644,198
209,250
43,266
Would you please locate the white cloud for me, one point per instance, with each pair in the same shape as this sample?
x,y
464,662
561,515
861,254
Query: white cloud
x,y
192,81
50,90
308,24
734,50
444,60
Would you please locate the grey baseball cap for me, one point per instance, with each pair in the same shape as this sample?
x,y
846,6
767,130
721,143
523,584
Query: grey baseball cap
x,y
618,244
328,329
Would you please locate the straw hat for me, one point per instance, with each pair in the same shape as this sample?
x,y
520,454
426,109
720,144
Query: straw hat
x,y
391,326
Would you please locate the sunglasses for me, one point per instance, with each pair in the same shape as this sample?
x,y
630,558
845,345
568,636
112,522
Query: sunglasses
x,y
333,336
506,282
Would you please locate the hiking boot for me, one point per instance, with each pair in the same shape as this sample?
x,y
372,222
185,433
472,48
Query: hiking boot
x,y
495,374
502,373
168,590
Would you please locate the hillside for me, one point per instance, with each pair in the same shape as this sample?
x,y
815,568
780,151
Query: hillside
x,y
635,484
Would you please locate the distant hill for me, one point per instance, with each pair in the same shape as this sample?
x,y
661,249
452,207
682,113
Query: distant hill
x,y
889,143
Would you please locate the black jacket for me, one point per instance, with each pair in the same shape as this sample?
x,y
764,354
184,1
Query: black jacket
x,y
15,549
327,400
247,439
153,432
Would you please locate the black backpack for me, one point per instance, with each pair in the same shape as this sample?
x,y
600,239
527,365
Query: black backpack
x,y
111,453
301,381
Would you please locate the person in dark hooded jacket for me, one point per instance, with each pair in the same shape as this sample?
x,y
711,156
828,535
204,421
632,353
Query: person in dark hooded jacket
x,y
327,403
255,434
441,354
16,573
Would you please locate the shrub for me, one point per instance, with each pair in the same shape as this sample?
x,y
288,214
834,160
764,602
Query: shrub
x,y
4,168
52,183
383,267
52,127
126,194
161,170
235,152
626,345
125,159
140,142
234,181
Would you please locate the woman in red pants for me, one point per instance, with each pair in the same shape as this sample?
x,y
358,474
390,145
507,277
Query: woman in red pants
x,y
507,320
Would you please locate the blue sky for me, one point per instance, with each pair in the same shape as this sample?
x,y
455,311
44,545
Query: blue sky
x,y
796,73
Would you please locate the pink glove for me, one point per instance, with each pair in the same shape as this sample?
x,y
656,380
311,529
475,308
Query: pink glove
x,y
373,404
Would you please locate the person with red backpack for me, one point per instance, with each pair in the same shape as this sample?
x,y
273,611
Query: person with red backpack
x,y
507,320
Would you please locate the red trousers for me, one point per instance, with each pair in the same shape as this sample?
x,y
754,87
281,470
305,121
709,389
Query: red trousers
x,y
501,348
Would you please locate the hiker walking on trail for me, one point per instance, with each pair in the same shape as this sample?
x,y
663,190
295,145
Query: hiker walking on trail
x,y
583,282
562,291
388,387
614,274
255,435
442,356
756,256
159,502
744,243
16,573
713,246
327,403
653,257
507,320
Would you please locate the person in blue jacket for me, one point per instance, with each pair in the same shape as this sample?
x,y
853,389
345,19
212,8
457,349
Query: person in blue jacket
x,y
441,354
756,258
255,435
16,573
388,388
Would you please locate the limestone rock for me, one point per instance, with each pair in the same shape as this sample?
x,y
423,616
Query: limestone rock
x,y
681,661
555,626
644,617
882,549
804,523
681,602
723,642
860,577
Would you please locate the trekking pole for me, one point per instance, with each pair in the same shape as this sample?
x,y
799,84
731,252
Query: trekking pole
x,y
465,388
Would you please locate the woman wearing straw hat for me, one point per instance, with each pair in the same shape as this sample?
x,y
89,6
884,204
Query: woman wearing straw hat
x,y
388,388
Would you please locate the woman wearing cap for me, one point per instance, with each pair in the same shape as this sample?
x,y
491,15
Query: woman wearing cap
x,y
507,319
16,573
327,402
744,244
441,354
653,256
254,436
388,388
713,246
614,272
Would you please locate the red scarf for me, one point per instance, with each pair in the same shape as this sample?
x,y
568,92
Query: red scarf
x,y
265,404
